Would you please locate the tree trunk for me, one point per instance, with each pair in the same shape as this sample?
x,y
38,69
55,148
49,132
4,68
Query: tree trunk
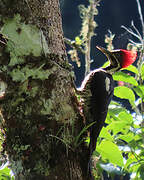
x,y
40,120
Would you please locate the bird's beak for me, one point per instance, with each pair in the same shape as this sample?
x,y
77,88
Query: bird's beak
x,y
107,53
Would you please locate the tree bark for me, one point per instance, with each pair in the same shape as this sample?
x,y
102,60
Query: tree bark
x,y
40,120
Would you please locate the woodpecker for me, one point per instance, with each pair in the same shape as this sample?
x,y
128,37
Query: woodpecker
x,y
97,90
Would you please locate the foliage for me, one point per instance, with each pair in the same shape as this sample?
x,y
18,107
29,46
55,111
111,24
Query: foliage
x,y
120,148
109,40
5,172
82,42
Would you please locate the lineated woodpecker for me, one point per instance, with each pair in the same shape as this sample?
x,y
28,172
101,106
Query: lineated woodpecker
x,y
97,91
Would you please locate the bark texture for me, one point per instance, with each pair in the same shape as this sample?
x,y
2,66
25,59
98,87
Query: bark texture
x,y
39,115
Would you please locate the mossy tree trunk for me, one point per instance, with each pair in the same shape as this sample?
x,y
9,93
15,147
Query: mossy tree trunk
x,y
40,120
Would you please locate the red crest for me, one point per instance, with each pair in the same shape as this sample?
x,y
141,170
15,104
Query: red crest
x,y
128,57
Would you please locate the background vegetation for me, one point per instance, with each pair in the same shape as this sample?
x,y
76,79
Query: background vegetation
x,y
120,146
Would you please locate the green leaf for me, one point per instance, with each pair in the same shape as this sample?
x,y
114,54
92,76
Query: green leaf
x,y
120,76
128,137
125,93
117,126
141,171
116,104
116,110
136,137
81,132
5,173
105,134
122,123
139,90
131,160
78,41
134,168
108,118
125,116
132,68
142,72
110,151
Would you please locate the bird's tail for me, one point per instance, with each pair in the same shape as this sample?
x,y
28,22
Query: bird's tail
x,y
94,133
92,146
